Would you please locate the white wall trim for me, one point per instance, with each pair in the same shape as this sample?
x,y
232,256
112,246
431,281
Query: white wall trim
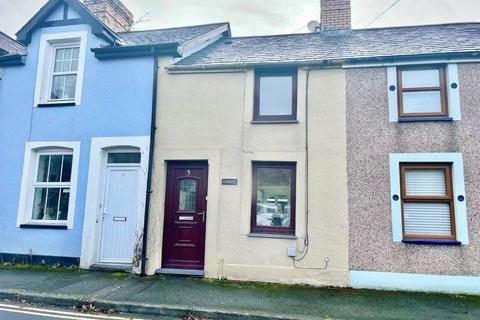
x,y
28,176
45,60
415,282
453,94
96,174
458,189
392,95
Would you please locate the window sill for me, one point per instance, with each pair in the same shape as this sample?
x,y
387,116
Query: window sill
x,y
52,104
272,236
273,121
432,242
426,119
43,226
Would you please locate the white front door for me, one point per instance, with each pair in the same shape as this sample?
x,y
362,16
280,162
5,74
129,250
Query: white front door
x,y
120,209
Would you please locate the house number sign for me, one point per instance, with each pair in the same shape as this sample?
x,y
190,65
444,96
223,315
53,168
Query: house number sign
x,y
229,182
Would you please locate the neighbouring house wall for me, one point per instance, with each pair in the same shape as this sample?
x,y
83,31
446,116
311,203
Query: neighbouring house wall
x,y
207,116
116,101
370,140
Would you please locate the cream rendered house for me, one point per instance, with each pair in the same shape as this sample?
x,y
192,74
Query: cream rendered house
x,y
249,176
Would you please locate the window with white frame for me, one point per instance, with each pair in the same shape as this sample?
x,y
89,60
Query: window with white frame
x,y
48,190
428,198
423,92
51,187
64,73
61,62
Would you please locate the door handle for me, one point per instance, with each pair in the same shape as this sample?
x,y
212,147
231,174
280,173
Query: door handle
x,y
203,215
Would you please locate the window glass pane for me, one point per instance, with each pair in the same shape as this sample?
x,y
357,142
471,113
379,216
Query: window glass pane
x,y
422,102
39,203
425,182
55,168
188,195
273,197
58,83
67,168
124,157
52,203
70,84
420,78
75,53
275,96
42,172
63,207
427,218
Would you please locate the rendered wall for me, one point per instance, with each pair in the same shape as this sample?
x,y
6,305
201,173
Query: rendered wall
x,y
207,116
370,139
116,101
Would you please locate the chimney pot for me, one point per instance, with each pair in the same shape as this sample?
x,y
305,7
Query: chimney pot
x,y
111,12
336,16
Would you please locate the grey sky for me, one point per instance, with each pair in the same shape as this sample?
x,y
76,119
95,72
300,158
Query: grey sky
x,y
256,17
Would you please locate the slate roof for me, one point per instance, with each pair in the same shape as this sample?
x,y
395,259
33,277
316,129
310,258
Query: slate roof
x,y
162,36
8,46
361,43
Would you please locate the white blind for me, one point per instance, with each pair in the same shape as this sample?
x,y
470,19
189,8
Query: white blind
x,y
427,218
422,102
420,78
425,182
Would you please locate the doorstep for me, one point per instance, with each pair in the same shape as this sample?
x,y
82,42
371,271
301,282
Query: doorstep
x,y
181,272
112,267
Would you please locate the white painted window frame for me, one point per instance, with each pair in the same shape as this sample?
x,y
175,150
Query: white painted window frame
x,y
30,167
456,159
454,110
46,56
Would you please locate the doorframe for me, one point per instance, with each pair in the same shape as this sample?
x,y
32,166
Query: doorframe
x,y
100,146
156,221
186,163
136,166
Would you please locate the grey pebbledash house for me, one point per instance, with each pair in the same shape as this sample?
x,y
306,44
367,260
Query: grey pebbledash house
x,y
354,156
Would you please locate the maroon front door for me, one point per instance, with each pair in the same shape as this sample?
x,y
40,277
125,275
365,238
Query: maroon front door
x,y
185,216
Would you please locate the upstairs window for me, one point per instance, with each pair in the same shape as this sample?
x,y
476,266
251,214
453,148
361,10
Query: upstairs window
x,y
422,92
64,74
61,61
275,97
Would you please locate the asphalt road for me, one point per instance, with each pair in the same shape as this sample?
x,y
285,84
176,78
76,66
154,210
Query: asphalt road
x,y
13,311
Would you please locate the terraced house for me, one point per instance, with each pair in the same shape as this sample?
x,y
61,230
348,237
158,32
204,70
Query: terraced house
x,y
76,94
338,157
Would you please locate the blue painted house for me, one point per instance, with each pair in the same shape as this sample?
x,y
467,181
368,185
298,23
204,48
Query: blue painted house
x,y
77,98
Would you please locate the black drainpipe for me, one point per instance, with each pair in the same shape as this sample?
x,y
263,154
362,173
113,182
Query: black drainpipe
x,y
153,129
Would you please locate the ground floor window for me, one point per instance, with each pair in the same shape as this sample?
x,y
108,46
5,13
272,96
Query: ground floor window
x,y
427,201
273,197
47,197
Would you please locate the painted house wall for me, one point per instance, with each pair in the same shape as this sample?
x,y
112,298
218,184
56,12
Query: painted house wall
x,y
116,101
213,122
370,140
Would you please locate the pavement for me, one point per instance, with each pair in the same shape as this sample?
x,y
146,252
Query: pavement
x,y
180,297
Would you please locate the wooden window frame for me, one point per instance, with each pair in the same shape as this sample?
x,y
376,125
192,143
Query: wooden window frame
x,y
442,89
253,217
448,198
259,73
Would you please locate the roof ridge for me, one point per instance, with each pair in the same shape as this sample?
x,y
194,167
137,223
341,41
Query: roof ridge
x,y
420,25
171,28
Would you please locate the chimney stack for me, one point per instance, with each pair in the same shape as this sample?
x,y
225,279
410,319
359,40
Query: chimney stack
x,y
336,16
111,12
